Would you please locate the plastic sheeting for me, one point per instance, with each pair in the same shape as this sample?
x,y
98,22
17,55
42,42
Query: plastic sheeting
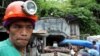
x,y
84,43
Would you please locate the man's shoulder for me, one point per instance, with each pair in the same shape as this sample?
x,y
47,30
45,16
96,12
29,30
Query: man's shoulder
x,y
7,50
3,44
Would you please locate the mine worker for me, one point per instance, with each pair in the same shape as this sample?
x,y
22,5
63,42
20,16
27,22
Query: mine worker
x,y
19,21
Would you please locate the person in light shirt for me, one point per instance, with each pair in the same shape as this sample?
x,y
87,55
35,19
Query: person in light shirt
x,y
55,44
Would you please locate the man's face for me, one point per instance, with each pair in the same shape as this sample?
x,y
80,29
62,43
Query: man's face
x,y
20,33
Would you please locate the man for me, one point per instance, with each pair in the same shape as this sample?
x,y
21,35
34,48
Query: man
x,y
19,25
93,52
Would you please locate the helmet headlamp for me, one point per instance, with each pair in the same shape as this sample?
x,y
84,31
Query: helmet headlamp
x,y
30,7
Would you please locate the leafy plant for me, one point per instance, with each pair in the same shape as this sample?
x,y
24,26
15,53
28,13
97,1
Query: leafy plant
x,y
84,11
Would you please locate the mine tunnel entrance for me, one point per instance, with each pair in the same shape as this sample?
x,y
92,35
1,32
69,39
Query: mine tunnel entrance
x,y
52,38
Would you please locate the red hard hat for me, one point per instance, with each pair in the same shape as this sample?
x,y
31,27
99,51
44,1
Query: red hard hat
x,y
15,10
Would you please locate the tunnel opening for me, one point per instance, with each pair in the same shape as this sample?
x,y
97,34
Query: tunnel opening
x,y
52,38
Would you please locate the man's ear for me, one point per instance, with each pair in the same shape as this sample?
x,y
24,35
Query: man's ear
x,y
8,31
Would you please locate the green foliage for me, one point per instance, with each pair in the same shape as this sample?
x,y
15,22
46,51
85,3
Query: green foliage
x,y
86,17
54,4
86,11
56,7
95,8
80,3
